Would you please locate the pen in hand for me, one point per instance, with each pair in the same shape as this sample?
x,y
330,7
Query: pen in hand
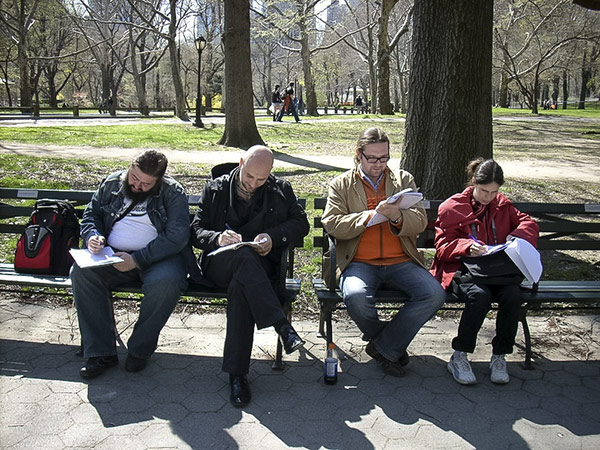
x,y
473,238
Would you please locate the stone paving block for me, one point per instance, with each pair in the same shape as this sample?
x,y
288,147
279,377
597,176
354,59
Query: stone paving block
x,y
83,436
453,403
280,421
271,382
27,392
36,441
131,402
414,395
581,394
583,368
518,399
172,377
466,422
441,439
495,410
161,434
392,430
541,388
122,442
84,413
169,412
312,373
441,384
204,402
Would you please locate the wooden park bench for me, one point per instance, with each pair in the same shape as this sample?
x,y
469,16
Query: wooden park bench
x,y
563,226
17,204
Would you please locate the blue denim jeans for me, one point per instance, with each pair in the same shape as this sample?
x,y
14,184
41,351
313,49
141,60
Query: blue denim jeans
x,y
360,281
162,285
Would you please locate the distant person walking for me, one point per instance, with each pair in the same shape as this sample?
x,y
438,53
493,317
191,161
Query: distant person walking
x,y
276,102
288,103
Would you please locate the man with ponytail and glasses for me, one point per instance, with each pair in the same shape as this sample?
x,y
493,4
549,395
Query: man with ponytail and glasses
x,y
380,255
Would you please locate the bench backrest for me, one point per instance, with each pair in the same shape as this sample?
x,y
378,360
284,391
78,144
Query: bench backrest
x,y
563,226
79,199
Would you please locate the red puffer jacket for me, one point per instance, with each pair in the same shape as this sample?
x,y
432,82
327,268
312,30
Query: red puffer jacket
x,y
453,227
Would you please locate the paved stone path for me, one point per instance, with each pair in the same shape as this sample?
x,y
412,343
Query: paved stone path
x,y
181,399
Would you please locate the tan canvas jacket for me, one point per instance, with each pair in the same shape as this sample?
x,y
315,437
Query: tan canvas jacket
x,y
346,214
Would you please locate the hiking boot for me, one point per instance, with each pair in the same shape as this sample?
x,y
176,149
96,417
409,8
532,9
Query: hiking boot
x,y
499,371
373,353
460,368
393,368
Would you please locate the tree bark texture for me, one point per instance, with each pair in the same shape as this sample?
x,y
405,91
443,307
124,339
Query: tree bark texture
x,y
309,82
240,125
383,58
180,104
449,118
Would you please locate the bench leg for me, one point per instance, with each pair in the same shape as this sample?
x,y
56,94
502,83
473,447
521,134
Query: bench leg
x,y
278,363
527,364
321,332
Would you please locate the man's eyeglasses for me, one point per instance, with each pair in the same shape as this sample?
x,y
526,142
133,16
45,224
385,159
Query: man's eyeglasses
x,y
374,159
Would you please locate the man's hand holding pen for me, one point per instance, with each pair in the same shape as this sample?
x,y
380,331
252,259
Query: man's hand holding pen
x,y
95,243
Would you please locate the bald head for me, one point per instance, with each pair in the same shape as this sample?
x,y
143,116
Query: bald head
x,y
255,167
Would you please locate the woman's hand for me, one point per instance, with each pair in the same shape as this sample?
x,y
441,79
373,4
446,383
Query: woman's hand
x,y
477,249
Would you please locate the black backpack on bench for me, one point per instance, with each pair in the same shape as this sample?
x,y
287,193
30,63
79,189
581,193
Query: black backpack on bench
x,y
52,230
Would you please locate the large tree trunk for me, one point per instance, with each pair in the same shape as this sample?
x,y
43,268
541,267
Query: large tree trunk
x,y
449,119
503,96
565,87
240,125
585,77
383,58
309,82
180,106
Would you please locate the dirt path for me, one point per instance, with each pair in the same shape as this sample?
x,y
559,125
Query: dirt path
x,y
520,169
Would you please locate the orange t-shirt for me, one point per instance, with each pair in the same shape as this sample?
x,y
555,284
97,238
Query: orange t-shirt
x,y
378,245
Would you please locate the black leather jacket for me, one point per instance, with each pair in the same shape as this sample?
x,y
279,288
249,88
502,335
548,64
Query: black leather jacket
x,y
282,218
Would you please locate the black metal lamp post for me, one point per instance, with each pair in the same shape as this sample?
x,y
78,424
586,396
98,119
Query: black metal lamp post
x,y
200,45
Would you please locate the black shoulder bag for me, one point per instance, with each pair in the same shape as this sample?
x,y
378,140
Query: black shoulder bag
x,y
495,269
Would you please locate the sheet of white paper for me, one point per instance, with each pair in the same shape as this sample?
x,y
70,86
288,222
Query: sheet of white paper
x,y
237,245
491,249
409,198
526,258
84,258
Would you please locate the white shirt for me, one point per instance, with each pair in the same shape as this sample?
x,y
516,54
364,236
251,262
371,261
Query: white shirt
x,y
134,231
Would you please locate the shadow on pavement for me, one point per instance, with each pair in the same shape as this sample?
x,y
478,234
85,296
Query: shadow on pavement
x,y
185,398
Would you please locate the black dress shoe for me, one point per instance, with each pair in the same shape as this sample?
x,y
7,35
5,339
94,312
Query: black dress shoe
x,y
97,365
133,364
240,390
290,339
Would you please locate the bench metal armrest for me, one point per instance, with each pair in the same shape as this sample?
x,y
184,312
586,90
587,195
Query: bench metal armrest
x,y
331,283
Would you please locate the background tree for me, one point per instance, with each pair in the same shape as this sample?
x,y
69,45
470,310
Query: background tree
x,y
536,41
384,49
449,118
17,18
240,125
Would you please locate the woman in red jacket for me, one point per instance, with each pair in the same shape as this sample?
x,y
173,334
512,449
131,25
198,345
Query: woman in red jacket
x,y
467,223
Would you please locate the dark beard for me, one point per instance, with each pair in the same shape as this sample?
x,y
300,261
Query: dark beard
x,y
138,197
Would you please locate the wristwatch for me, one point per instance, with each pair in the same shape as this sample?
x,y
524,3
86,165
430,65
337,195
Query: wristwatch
x,y
397,221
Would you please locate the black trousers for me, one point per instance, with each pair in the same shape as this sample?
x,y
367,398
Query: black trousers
x,y
251,300
478,300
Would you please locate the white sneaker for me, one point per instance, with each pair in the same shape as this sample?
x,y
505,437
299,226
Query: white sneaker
x,y
460,368
499,372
